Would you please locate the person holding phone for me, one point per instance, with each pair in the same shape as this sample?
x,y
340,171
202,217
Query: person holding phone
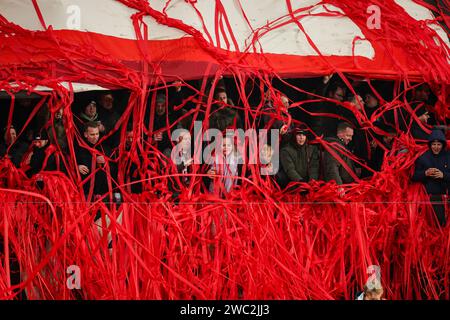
x,y
432,169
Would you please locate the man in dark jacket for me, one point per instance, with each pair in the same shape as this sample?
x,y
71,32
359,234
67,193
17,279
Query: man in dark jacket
x,y
223,114
164,115
432,169
109,117
326,123
300,160
44,156
416,130
94,166
333,167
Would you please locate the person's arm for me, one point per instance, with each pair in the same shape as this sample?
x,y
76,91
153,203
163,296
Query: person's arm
x,y
419,171
332,169
289,166
84,160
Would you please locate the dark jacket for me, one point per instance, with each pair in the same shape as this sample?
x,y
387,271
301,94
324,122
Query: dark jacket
x,y
46,159
100,178
418,133
224,117
300,163
333,168
439,161
109,119
162,123
15,153
330,115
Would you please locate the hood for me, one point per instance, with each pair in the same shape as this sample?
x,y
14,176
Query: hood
x,y
438,135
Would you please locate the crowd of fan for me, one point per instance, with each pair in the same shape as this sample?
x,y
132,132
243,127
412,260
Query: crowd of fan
x,y
110,152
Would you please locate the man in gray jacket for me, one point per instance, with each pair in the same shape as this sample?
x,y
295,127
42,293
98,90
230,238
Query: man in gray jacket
x,y
300,160
333,165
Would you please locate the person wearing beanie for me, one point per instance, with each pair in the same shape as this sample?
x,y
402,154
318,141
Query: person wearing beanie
x,y
432,169
416,130
44,156
299,159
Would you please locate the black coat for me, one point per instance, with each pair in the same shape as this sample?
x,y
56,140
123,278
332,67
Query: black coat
x,y
44,156
430,160
100,179
15,153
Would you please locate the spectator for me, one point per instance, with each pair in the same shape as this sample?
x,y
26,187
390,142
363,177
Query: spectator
x,y
299,159
109,117
223,115
373,293
334,168
181,155
57,132
131,161
224,169
416,130
89,114
11,147
267,168
432,169
93,164
161,124
379,147
421,98
371,103
221,96
44,156
326,124
272,110
387,118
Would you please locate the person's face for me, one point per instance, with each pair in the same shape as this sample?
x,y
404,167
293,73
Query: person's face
x,y
371,101
59,114
129,139
40,143
10,136
424,118
160,108
373,295
346,135
388,139
300,139
357,101
222,97
227,147
422,93
339,94
107,101
91,109
436,147
285,101
92,135
185,141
